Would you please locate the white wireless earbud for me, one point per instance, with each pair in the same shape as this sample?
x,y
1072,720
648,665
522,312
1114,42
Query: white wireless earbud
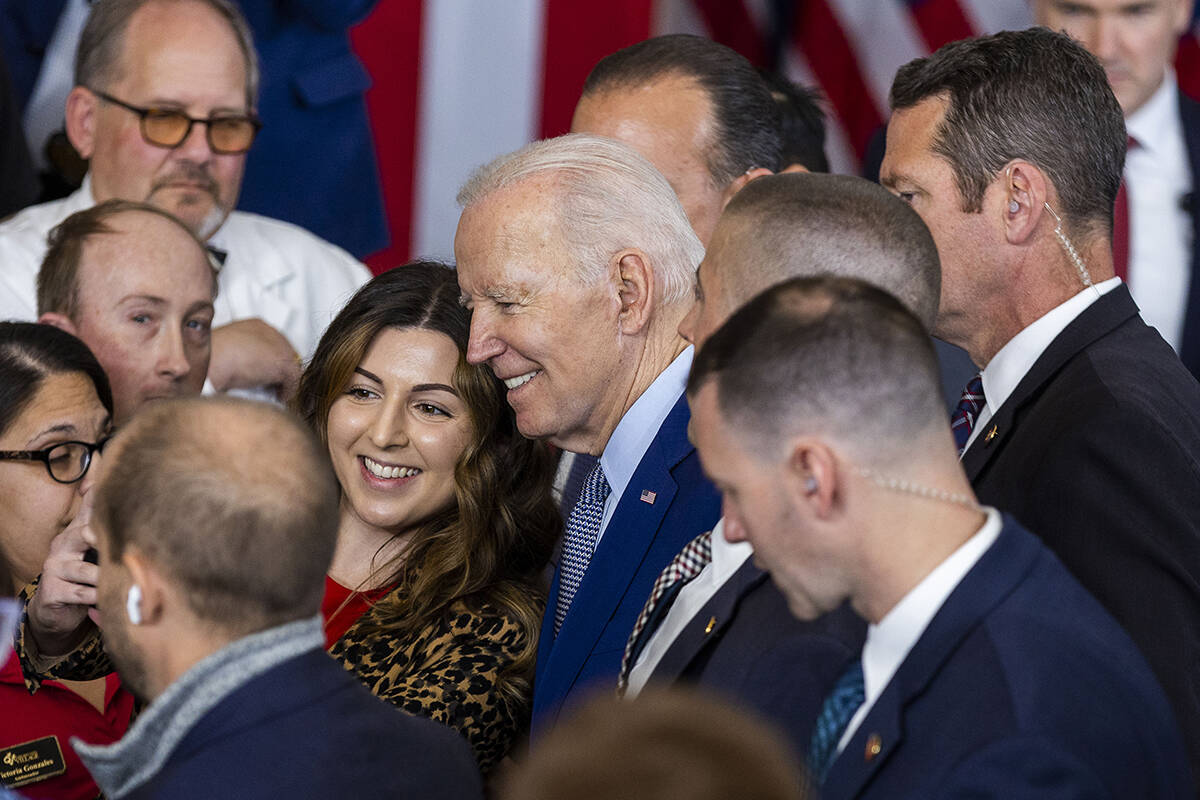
x,y
811,485
133,604
1014,207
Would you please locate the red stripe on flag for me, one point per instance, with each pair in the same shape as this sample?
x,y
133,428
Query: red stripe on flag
x,y
729,23
577,35
941,21
820,38
389,44
1187,64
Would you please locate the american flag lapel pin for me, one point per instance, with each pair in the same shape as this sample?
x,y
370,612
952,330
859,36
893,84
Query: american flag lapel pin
x,y
648,496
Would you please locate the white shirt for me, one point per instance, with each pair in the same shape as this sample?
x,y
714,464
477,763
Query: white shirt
x,y
637,429
1157,176
1009,365
276,271
727,558
889,642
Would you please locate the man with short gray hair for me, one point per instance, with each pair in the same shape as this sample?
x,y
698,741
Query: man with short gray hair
x,y
578,263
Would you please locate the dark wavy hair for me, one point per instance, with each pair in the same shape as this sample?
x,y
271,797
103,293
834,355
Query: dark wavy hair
x,y
492,545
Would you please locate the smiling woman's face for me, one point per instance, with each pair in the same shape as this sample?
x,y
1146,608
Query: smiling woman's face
x,y
397,431
34,508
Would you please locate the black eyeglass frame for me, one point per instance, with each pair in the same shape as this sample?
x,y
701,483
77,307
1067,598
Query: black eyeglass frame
x,y
143,113
43,456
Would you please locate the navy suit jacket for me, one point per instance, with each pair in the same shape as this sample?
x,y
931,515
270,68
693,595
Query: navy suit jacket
x,y
641,539
745,644
308,729
1189,348
1021,686
1097,451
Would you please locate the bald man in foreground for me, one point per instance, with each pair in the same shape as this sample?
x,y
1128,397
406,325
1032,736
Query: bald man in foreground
x,y
715,619
215,522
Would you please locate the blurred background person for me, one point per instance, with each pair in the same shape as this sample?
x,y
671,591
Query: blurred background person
x,y
669,744
55,413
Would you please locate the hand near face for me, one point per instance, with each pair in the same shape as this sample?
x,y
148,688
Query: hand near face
x,y
58,610
250,353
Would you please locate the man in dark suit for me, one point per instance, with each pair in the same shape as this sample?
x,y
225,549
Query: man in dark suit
x,y
987,669
726,627
1083,423
1155,241
215,526
578,263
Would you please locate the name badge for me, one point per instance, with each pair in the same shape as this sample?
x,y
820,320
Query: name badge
x,y
27,763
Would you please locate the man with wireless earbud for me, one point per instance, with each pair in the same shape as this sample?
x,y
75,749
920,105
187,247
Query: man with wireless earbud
x,y
1082,422
215,523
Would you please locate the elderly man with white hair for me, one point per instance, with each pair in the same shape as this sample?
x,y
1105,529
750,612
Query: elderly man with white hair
x,y
578,263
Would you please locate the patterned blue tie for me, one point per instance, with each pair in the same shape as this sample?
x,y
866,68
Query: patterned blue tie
x,y
835,715
962,421
579,541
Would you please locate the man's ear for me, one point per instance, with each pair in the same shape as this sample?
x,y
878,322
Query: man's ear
x,y
1023,194
636,288
60,321
812,476
148,579
794,168
82,108
737,183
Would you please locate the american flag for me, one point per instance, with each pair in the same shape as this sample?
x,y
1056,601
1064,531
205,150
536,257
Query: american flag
x,y
458,82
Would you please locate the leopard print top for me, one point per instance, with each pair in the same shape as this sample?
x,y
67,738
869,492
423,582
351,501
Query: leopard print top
x,y
450,672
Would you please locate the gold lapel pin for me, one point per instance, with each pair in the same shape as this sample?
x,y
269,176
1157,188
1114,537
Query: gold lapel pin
x,y
874,747
990,435
712,623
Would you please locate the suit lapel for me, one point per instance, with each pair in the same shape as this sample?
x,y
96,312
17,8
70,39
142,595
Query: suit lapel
x,y
709,623
617,559
1189,349
1098,319
881,733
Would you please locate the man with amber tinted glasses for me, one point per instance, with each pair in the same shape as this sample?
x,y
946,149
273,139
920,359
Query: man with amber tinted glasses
x,y
163,109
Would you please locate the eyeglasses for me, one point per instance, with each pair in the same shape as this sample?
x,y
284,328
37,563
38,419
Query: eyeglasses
x,y
169,127
67,462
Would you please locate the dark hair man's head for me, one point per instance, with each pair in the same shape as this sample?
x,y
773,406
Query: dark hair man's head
x,y
224,514
695,109
801,124
994,141
137,286
785,226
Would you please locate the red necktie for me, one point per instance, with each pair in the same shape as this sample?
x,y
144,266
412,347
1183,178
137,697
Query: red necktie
x,y
1120,239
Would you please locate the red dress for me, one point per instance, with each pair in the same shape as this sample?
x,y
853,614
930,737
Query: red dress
x,y
54,711
338,617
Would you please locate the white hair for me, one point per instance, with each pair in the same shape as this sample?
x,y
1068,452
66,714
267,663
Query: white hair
x,y
609,198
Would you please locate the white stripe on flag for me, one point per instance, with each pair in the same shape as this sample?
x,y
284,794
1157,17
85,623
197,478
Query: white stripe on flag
x,y
884,37
990,16
481,69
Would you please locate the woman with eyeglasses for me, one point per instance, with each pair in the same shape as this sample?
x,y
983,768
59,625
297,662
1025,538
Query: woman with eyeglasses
x,y
55,410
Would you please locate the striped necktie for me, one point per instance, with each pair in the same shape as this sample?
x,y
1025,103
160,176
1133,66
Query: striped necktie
x,y
839,708
962,421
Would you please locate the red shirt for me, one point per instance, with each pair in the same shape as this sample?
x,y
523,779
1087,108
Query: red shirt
x,y
337,622
57,711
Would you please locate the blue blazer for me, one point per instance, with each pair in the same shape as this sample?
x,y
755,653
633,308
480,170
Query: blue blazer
x,y
1021,686
314,160
745,644
308,729
641,539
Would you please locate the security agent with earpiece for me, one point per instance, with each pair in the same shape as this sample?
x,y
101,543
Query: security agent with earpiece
x,y
215,522
1083,422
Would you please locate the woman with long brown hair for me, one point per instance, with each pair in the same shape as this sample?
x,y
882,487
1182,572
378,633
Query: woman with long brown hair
x,y
435,595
